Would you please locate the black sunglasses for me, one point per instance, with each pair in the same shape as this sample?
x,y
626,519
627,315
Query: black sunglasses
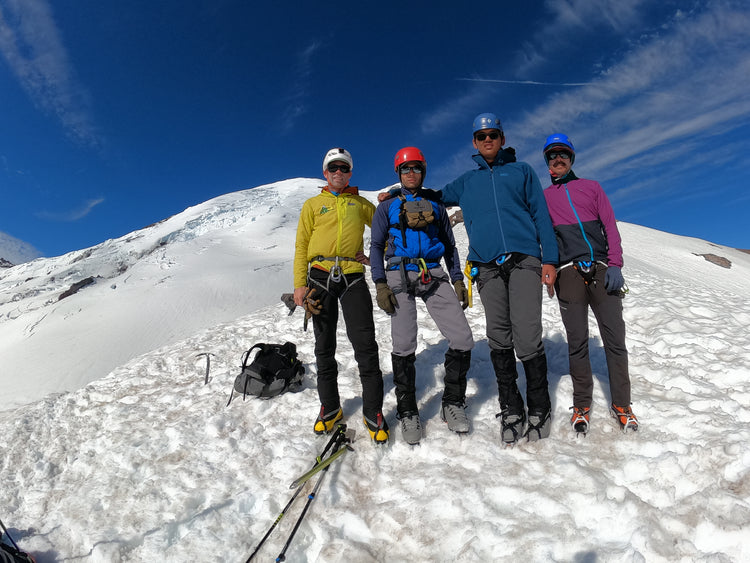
x,y
482,136
407,169
345,168
554,155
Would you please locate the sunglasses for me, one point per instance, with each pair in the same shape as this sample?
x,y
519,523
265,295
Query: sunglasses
x,y
554,155
345,168
482,136
407,169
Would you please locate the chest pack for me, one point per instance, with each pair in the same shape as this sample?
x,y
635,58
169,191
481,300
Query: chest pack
x,y
415,214
274,369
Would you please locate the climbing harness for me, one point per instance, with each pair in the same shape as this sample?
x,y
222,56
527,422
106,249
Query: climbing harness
x,y
587,269
507,263
335,274
421,285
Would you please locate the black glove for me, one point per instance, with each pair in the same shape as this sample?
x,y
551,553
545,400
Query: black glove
x,y
385,298
462,293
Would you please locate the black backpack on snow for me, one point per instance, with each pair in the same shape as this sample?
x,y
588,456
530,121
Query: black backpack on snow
x,y
274,369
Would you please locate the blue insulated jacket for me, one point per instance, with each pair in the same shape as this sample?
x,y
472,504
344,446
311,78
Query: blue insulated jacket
x,y
504,210
432,243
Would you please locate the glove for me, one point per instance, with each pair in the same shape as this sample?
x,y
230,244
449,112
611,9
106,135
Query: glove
x,y
613,280
385,298
312,306
462,293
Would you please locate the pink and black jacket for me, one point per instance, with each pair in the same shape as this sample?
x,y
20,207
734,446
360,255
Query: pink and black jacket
x,y
584,221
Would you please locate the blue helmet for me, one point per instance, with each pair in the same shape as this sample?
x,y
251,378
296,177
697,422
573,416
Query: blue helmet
x,y
559,140
487,121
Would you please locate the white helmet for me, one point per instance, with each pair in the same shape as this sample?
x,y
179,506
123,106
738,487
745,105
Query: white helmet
x,y
337,154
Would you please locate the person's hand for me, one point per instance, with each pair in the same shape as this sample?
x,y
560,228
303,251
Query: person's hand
x,y
299,296
362,258
385,298
549,275
613,280
382,196
462,293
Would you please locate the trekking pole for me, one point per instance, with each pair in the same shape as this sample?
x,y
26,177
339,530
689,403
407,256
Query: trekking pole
x,y
5,532
340,429
341,441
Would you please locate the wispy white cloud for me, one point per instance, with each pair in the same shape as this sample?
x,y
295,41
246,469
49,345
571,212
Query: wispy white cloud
x,y
670,107
452,112
666,97
296,100
566,21
529,82
32,46
71,215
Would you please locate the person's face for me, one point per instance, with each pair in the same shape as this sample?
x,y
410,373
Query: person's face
x,y
488,142
560,163
337,178
410,178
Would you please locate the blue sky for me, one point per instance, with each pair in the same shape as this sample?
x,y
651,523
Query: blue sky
x,y
115,115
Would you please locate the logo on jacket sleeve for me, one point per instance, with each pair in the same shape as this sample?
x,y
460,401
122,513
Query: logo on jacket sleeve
x,y
324,210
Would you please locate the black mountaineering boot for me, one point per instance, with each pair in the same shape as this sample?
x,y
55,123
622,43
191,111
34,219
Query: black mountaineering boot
x,y
512,412
453,410
404,378
537,397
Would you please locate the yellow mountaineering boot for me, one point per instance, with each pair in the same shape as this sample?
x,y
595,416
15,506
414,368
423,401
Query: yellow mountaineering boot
x,y
378,428
326,422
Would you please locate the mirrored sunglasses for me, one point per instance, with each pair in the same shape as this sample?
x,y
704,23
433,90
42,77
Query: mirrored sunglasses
x,y
407,169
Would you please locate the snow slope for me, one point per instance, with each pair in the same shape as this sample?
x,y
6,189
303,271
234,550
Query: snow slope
x,y
147,463
209,264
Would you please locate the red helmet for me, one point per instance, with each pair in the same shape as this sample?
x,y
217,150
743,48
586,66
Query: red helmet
x,y
409,154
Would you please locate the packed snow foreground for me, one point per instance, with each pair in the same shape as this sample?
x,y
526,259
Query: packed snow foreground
x,y
148,463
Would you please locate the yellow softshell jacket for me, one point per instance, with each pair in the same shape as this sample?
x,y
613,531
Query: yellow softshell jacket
x,y
331,225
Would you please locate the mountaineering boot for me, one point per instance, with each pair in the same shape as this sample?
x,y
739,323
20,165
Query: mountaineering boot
x,y
504,363
512,426
625,417
377,428
580,419
512,412
411,427
457,364
539,425
537,389
455,417
325,422
404,379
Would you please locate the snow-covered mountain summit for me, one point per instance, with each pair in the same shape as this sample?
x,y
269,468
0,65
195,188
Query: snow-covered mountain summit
x,y
14,251
209,264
